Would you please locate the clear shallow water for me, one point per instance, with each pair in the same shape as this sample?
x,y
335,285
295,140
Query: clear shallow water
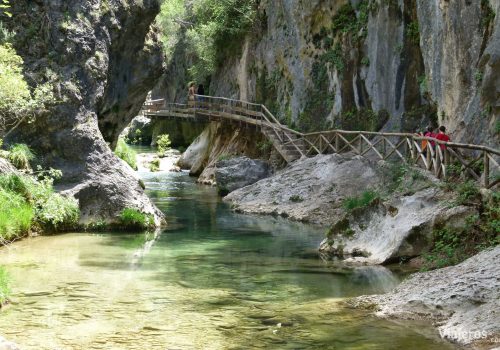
x,y
212,280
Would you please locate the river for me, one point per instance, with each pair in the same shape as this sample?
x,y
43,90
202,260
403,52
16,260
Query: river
x,y
213,279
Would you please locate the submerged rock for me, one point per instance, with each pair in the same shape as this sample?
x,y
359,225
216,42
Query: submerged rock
x,y
462,300
239,172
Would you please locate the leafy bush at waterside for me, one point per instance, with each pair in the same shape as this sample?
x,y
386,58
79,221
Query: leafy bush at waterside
x,y
133,218
163,142
31,204
126,153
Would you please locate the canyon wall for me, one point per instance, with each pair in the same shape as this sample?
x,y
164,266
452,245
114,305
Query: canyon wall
x,y
366,64
102,57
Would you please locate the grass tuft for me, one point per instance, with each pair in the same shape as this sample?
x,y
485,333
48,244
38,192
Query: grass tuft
x,y
126,153
20,156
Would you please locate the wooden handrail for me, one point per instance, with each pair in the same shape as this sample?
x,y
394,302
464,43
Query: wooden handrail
x,y
382,145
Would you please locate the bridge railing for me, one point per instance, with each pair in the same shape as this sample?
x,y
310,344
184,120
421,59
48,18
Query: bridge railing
x,y
480,163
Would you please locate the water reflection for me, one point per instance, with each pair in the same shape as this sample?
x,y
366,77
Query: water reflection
x,y
212,280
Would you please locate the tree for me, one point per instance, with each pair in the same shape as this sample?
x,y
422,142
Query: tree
x,y
17,102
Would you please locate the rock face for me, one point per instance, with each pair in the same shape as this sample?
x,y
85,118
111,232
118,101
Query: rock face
x,y
6,167
220,140
462,300
310,190
239,172
102,58
367,64
399,228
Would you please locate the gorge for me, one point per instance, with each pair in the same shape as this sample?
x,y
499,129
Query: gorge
x,y
278,231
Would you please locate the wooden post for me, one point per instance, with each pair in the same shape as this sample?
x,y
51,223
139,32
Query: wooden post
x,y
486,180
337,144
438,161
360,144
428,155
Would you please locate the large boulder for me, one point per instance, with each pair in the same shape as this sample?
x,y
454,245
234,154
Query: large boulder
x,y
463,301
102,60
310,189
401,227
239,172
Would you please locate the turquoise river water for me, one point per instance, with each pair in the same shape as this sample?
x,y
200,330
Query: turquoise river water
x,y
213,279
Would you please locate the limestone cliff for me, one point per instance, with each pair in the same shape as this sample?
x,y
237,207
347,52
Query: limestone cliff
x,y
102,57
367,64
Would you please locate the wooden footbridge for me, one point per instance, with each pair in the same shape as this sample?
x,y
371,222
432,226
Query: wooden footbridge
x,y
480,163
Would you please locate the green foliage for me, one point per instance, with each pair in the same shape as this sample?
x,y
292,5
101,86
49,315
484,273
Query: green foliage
x,y
454,245
467,192
346,20
124,152
163,142
365,61
20,155
488,14
4,8
154,166
413,32
366,198
56,212
49,210
4,285
171,16
264,146
296,199
218,32
16,216
16,100
6,36
224,156
133,218
478,76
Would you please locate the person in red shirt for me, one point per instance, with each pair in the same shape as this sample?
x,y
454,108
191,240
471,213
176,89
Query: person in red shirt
x,y
442,136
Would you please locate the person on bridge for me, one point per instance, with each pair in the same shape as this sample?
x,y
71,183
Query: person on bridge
x,y
191,93
442,136
429,132
201,93
201,90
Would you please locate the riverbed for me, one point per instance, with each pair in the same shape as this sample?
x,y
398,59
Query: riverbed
x,y
213,279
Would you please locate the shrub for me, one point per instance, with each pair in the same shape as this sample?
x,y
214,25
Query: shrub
x,y
58,212
366,198
17,102
154,166
133,218
124,152
4,285
20,156
163,142
16,216
467,192
296,199
48,210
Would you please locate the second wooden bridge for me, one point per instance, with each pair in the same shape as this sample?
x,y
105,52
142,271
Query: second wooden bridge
x,y
478,162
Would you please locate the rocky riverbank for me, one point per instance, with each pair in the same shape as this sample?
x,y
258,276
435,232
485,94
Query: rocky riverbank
x,y
462,301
